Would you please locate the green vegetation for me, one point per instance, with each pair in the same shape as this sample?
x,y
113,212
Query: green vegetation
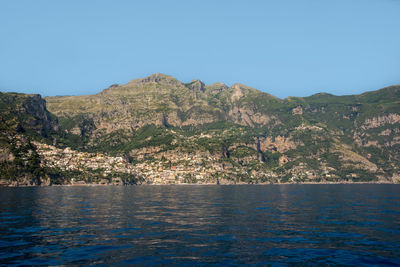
x,y
255,137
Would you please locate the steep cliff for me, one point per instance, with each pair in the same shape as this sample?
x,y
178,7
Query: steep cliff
x,y
23,118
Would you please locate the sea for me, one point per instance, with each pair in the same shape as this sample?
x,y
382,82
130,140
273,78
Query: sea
x,y
201,225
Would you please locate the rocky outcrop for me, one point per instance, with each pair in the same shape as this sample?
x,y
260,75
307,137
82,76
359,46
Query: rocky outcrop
x,y
278,143
35,107
247,117
297,110
22,111
197,86
378,121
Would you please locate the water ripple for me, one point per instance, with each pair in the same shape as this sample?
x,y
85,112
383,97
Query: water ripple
x,y
356,225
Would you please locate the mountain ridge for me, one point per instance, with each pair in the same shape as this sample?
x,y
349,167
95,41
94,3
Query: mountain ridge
x,y
167,131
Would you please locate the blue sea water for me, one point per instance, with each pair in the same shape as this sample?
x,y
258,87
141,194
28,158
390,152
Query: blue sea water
x,y
278,225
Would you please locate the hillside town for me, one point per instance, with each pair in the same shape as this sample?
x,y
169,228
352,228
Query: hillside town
x,y
176,168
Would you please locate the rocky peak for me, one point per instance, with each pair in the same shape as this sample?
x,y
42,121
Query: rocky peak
x,y
239,90
196,85
156,78
297,110
115,85
216,88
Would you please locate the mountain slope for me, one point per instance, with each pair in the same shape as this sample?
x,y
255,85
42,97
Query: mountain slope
x,y
167,131
161,100
23,119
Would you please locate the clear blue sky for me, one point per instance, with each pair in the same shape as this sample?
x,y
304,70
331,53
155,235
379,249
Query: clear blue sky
x,y
283,47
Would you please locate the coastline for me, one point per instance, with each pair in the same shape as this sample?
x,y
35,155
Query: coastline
x,y
202,184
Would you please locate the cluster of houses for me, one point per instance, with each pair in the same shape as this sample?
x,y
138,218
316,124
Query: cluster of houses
x,y
170,168
179,170
194,169
68,159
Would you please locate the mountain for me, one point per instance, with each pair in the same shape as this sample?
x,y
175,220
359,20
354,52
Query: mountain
x,y
23,119
160,130
163,101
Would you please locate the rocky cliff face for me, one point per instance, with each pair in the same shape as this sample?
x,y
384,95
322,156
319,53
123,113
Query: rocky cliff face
x,y
159,100
23,118
26,112
175,132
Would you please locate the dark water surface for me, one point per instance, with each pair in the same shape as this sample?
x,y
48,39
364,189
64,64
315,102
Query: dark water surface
x,y
201,225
